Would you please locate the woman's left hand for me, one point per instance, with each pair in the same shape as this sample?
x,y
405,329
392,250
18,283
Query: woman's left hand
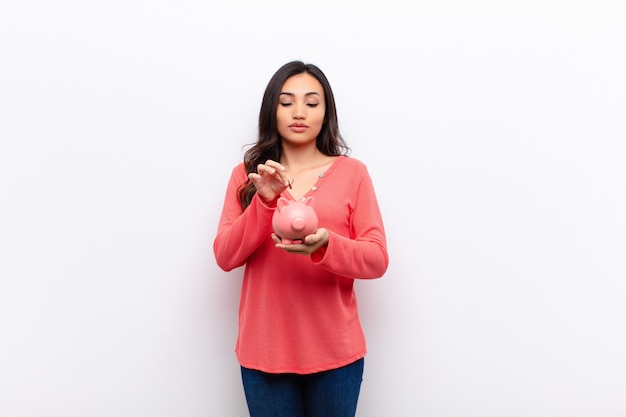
x,y
311,243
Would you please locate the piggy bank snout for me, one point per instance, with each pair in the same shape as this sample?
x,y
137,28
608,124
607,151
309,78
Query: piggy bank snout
x,y
298,224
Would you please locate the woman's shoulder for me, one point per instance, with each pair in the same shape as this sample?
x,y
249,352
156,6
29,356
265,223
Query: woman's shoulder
x,y
240,167
239,173
350,163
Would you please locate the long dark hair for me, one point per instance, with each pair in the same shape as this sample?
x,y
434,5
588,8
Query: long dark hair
x,y
269,146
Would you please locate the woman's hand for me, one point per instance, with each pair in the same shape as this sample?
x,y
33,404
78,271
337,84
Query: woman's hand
x,y
269,180
311,243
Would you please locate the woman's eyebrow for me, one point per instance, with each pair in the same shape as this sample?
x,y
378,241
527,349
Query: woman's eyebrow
x,y
311,93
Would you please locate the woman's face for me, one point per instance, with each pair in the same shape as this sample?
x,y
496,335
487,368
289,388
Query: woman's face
x,y
301,109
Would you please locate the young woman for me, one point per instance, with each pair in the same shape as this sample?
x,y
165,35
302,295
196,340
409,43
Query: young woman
x,y
300,345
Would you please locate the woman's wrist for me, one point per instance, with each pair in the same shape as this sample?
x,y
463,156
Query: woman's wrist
x,y
268,202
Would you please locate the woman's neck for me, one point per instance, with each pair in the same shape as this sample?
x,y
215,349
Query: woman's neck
x,y
298,158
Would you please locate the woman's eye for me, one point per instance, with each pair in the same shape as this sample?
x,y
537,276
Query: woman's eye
x,y
312,104
286,104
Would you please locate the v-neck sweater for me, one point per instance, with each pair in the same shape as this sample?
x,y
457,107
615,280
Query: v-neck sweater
x,y
299,314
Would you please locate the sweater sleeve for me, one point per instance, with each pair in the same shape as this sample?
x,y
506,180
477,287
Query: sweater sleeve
x,y
240,232
363,254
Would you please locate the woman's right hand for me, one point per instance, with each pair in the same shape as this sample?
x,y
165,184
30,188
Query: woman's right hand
x,y
270,180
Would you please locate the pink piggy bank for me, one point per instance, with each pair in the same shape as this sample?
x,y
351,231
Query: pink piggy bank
x,y
293,220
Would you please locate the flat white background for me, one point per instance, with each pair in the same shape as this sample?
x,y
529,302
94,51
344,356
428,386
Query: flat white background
x,y
495,133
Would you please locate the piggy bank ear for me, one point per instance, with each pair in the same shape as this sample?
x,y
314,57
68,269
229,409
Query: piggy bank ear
x,y
281,203
309,201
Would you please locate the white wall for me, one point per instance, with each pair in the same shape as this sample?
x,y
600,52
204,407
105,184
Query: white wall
x,y
495,132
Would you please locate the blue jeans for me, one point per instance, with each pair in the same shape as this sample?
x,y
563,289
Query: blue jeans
x,y
332,393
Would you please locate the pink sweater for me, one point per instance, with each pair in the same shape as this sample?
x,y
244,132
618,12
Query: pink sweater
x,y
297,313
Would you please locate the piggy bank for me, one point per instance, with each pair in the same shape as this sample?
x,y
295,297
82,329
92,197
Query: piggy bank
x,y
293,220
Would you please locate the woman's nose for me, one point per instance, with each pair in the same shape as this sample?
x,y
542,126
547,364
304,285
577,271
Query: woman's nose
x,y
299,111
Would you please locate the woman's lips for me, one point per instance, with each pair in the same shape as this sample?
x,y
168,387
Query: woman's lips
x,y
298,128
